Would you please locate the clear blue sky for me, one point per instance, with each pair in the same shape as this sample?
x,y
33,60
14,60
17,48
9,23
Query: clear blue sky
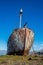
x,y
9,19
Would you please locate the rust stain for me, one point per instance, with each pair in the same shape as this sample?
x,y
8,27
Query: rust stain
x,y
21,40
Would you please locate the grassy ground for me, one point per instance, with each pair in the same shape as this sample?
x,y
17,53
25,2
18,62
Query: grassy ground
x,y
21,60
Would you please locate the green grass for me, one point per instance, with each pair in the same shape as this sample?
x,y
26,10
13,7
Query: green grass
x,y
21,60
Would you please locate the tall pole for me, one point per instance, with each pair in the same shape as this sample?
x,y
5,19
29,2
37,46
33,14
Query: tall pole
x,y
20,17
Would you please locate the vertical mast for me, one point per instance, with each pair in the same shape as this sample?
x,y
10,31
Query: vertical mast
x,y
20,17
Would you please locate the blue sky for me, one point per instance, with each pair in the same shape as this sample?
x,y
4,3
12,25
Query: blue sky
x,y
9,20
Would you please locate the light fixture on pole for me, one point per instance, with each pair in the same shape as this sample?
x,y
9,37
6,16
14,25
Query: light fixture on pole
x,y
20,17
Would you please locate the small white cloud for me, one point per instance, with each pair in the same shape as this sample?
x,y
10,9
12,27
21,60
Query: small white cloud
x,y
3,45
37,46
41,46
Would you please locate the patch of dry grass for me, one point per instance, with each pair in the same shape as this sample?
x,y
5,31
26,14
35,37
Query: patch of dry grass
x,y
21,60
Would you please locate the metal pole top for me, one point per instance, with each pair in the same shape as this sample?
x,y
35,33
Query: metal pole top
x,y
21,11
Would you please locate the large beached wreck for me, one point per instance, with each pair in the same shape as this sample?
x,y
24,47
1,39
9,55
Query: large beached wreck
x,y
20,41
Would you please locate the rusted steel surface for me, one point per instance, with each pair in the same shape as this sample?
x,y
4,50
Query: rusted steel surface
x,y
20,41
